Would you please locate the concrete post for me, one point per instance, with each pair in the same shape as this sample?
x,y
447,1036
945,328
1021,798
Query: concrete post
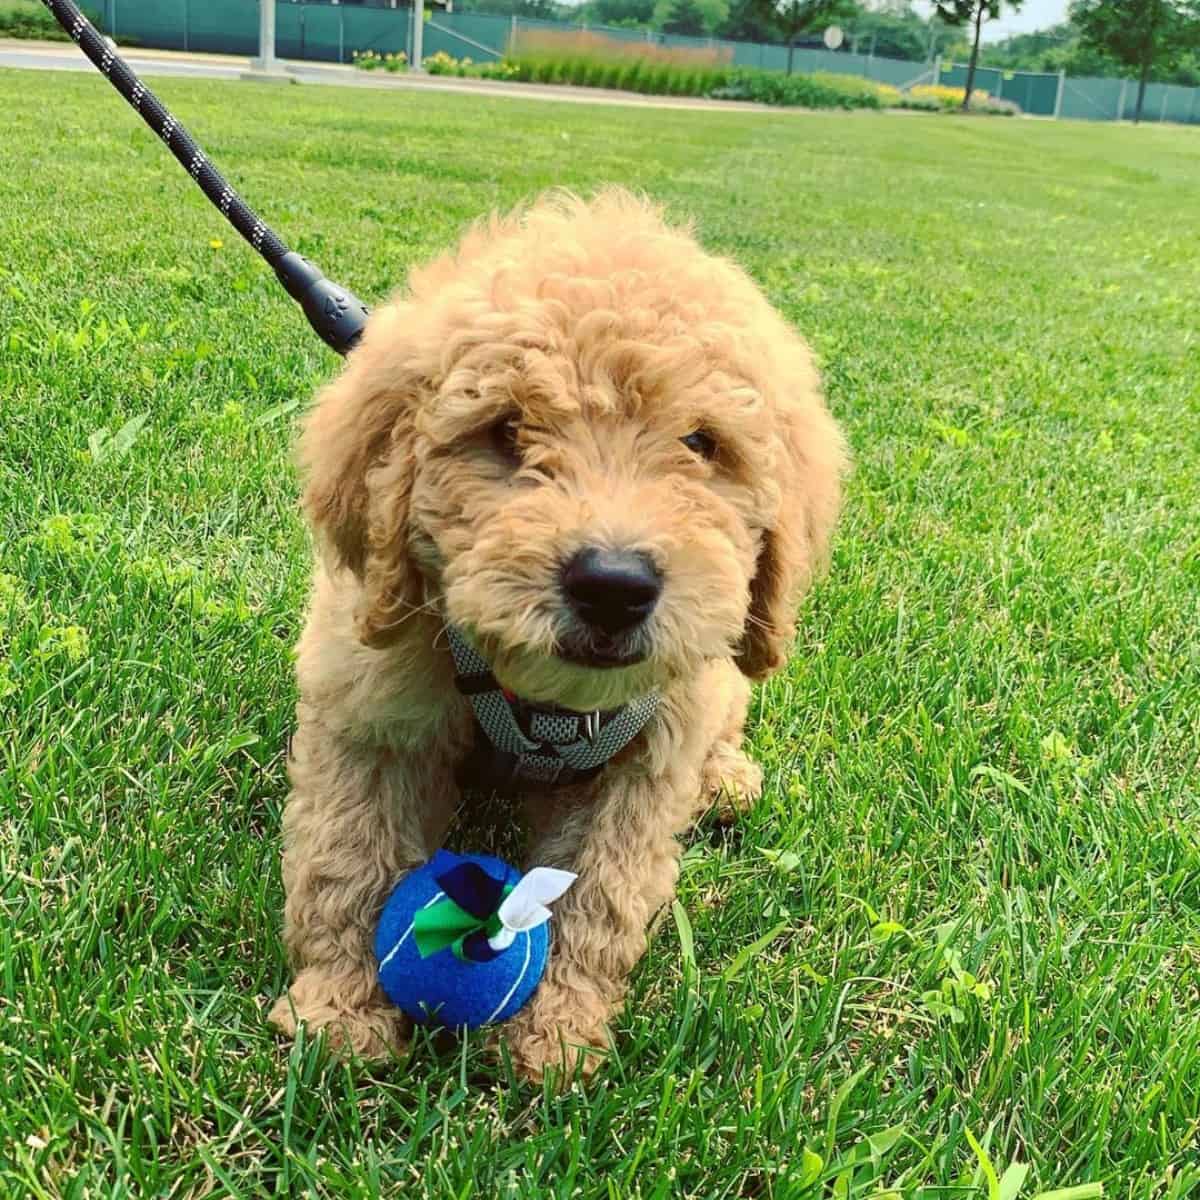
x,y
1058,96
418,35
266,60
1121,101
266,66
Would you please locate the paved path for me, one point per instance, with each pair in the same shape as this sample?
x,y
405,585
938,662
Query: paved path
x,y
63,56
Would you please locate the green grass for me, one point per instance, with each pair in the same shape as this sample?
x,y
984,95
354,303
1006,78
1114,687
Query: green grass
x,y
979,850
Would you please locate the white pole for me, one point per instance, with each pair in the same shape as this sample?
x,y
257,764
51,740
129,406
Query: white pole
x,y
266,60
1121,101
1058,97
1162,116
937,70
418,33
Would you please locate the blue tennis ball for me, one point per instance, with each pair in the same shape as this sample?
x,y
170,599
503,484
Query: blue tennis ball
x,y
444,989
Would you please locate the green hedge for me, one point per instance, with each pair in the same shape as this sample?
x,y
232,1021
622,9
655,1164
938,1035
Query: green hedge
x,y
29,19
819,90
803,91
629,75
662,79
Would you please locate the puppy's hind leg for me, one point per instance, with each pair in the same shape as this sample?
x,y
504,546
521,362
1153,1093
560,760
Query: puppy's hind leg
x,y
358,817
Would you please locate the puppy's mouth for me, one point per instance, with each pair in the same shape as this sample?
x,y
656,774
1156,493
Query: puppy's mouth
x,y
600,652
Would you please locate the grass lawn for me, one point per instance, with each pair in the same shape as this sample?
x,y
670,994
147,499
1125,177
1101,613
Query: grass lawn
x,y
978,859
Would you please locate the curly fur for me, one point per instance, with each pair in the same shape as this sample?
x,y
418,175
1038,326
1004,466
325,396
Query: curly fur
x,y
607,336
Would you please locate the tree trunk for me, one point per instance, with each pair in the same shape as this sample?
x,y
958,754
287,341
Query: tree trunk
x,y
791,51
979,6
1154,14
1137,112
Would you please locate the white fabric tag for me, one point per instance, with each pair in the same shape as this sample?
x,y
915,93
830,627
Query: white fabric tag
x,y
525,906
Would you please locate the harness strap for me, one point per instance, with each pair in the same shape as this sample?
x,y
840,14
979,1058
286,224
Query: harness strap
x,y
528,745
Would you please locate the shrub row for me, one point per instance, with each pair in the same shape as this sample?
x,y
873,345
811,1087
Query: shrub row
x,y
29,19
631,75
805,91
941,97
657,76
720,82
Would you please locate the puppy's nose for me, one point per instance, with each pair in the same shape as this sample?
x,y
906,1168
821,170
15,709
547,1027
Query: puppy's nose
x,y
611,590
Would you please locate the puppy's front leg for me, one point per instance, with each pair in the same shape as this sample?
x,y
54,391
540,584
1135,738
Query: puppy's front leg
x,y
358,817
622,843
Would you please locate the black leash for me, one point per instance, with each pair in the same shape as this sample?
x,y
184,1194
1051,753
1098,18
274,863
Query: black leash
x,y
336,314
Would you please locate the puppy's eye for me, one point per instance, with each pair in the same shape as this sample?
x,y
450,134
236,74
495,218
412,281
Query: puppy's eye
x,y
701,443
504,439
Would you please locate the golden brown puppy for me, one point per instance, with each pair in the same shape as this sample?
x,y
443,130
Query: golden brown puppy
x,y
598,452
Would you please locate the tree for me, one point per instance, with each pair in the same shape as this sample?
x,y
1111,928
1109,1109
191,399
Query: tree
x,y
748,21
695,18
975,12
794,17
636,14
1042,50
892,32
1139,34
685,17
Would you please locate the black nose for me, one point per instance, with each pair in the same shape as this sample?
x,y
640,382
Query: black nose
x,y
611,590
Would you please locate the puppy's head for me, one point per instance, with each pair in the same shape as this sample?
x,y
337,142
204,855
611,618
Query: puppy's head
x,y
589,444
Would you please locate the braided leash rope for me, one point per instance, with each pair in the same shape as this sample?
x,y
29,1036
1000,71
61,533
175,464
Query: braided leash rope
x,y
336,314
556,746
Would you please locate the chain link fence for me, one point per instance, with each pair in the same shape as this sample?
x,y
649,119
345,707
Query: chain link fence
x,y
330,32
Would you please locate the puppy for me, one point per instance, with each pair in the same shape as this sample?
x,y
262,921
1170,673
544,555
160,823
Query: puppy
x,y
588,461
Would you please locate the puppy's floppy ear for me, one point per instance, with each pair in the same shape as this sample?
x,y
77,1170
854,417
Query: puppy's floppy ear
x,y
356,456
811,461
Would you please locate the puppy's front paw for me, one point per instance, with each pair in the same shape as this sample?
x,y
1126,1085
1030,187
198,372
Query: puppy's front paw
x,y
560,1032
556,1052
355,1019
732,783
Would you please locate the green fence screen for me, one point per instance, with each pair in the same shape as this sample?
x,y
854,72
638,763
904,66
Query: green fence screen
x,y
1030,91
327,32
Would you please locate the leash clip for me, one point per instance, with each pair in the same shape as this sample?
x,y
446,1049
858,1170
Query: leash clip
x,y
591,725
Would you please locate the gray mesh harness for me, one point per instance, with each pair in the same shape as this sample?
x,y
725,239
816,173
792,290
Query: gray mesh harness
x,y
528,746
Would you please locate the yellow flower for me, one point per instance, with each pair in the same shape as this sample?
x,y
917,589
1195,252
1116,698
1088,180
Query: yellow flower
x,y
945,94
